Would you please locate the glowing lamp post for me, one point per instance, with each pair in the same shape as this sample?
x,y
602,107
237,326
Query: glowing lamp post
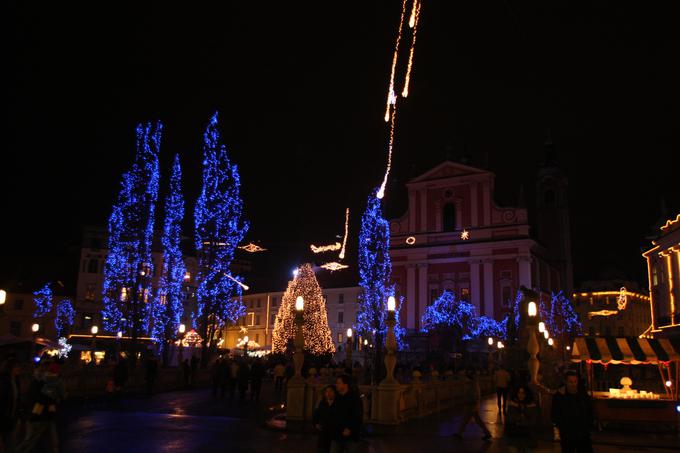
x,y
94,331
35,328
541,327
550,342
546,334
181,329
390,343
3,299
298,355
349,348
532,345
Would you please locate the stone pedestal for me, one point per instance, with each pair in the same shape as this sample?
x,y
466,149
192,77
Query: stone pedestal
x,y
295,400
385,408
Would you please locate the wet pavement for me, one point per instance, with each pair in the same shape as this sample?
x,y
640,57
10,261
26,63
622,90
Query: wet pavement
x,y
193,420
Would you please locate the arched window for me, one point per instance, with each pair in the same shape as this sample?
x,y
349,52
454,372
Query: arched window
x,y
449,217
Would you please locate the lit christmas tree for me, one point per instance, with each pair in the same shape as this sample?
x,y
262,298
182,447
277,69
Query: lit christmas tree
x,y
219,230
317,334
129,269
64,319
375,269
168,302
43,301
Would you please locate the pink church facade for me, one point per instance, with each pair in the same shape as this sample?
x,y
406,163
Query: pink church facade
x,y
454,237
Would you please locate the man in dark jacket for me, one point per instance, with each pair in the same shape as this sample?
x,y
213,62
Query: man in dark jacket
x,y
348,418
256,376
572,412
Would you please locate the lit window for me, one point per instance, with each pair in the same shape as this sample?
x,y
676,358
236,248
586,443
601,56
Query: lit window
x,y
251,319
339,337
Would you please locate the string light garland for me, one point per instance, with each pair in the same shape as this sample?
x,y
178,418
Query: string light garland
x,y
219,229
344,238
128,268
592,314
325,248
334,266
622,300
447,312
315,328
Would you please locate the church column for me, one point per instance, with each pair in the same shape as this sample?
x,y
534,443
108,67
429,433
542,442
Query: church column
x,y
422,292
475,287
486,194
410,296
524,265
488,289
411,211
474,204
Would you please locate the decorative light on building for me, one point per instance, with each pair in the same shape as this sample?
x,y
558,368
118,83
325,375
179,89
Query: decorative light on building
x,y
334,266
252,248
410,240
344,238
602,313
465,235
622,300
325,248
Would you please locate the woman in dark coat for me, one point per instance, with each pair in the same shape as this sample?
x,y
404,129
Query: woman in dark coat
x,y
521,419
324,419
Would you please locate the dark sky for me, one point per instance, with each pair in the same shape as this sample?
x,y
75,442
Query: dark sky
x,y
300,88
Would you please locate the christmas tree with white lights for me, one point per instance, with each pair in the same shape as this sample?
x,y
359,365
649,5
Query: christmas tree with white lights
x,y
315,328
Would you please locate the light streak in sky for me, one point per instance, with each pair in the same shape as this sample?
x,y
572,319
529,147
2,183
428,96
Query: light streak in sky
x,y
325,248
415,16
391,98
344,239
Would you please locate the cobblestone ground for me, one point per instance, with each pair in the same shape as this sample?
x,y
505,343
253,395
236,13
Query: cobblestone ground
x,y
193,420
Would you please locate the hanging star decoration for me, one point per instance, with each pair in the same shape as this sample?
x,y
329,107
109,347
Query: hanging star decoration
x,y
465,235
326,248
252,248
334,266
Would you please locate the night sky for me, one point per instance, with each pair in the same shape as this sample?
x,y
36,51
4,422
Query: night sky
x,y
300,87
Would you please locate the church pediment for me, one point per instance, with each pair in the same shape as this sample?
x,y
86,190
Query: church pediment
x,y
446,170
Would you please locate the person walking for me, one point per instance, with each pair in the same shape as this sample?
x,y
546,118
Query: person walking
x,y
242,377
279,376
572,413
151,374
471,408
10,403
323,419
46,391
348,419
256,376
521,420
186,373
501,379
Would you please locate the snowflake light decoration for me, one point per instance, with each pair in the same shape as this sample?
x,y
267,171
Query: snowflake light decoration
x,y
334,266
252,248
465,235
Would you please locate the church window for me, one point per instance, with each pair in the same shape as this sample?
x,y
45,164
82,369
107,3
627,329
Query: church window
x,y
449,217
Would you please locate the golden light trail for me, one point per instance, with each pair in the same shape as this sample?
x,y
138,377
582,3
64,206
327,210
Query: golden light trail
x,y
391,98
252,248
325,248
245,287
381,191
415,16
334,266
344,239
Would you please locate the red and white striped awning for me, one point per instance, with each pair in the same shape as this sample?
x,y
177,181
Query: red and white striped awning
x,y
625,350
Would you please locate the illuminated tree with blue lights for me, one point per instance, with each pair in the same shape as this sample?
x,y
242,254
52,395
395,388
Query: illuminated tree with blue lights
x,y
129,269
168,301
65,316
448,312
375,269
562,321
43,301
219,230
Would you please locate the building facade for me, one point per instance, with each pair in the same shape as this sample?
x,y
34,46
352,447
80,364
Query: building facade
x,y
262,308
619,313
17,316
663,267
454,237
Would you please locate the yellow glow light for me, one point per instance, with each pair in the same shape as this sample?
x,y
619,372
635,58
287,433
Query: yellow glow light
x,y
381,191
252,248
344,239
410,240
391,303
671,285
334,266
415,15
325,248
391,98
532,309
465,235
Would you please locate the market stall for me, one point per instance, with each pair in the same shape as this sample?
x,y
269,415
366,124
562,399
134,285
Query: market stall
x,y
625,401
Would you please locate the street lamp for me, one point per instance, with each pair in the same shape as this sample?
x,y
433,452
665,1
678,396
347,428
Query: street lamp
x,y
532,310
390,343
3,299
550,341
532,344
94,330
541,327
546,334
245,346
35,328
349,348
181,329
298,355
